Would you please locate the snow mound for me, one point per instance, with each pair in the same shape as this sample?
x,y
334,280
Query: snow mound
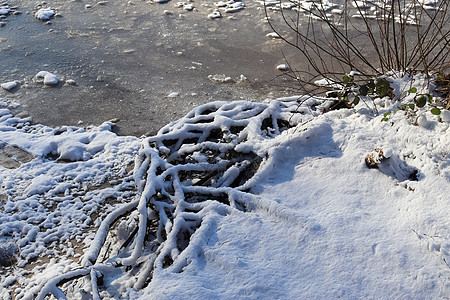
x,y
48,204
243,199
48,78
190,175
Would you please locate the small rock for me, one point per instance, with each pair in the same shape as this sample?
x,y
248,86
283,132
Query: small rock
x,y
2,24
87,6
8,252
168,12
9,86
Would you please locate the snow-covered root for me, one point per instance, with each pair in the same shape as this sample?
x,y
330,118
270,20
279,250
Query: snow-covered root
x,y
192,172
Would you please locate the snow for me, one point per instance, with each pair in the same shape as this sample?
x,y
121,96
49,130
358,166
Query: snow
x,y
45,14
283,67
329,83
10,85
48,78
311,220
4,10
173,95
273,35
271,199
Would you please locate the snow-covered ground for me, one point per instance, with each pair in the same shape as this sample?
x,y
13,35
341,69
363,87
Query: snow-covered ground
x,y
268,200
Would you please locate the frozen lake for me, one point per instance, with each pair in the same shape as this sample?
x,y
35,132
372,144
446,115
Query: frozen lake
x,y
140,62
127,57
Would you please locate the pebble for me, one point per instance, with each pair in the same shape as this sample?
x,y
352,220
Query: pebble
x,y
2,24
87,6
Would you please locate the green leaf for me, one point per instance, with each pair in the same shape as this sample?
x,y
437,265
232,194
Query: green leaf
x,y
430,98
356,100
413,90
371,85
435,111
421,101
384,119
382,87
386,114
346,79
412,106
363,90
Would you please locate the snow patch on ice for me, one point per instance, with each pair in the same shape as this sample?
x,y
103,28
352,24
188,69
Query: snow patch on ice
x,y
44,14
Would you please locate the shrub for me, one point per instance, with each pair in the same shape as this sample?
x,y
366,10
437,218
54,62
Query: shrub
x,y
370,37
